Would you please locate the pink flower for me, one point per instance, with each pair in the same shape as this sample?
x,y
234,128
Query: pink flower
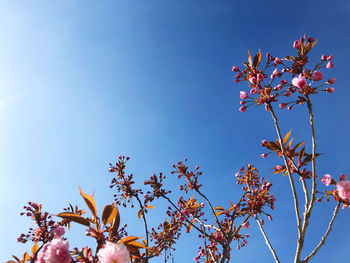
x,y
326,179
278,60
243,95
55,252
260,77
330,64
275,73
242,109
246,225
317,76
253,91
235,69
283,105
331,81
58,231
343,188
330,90
279,167
252,80
299,82
113,253
296,44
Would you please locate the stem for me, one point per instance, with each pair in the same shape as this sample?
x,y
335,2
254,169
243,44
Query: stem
x,y
296,203
323,239
267,241
307,213
145,223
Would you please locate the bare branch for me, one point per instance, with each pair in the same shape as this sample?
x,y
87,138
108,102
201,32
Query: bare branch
x,y
267,241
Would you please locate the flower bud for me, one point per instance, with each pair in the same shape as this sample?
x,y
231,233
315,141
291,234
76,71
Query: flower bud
x,y
243,95
252,80
260,77
330,64
317,75
264,155
330,90
296,44
283,105
331,81
235,69
278,60
253,91
242,109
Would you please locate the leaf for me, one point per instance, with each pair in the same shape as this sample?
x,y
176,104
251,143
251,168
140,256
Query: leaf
x,y
289,58
133,251
128,239
75,218
139,214
89,200
149,206
250,60
298,145
109,213
219,208
217,213
290,142
136,244
286,137
115,223
26,257
35,248
257,59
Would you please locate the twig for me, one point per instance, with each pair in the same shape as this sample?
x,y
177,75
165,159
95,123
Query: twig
x,y
323,239
296,203
267,241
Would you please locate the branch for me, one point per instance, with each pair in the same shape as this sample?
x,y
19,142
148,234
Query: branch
x,y
323,239
267,241
296,203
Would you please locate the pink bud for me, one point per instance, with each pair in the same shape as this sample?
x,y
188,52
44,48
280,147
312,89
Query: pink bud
x,y
327,179
310,39
252,80
267,107
330,57
236,80
242,102
279,167
235,69
111,170
253,91
283,105
296,44
264,155
330,64
299,82
278,60
246,225
263,142
242,109
323,57
342,177
330,90
243,95
260,77
278,87
331,81
269,217
317,75
284,82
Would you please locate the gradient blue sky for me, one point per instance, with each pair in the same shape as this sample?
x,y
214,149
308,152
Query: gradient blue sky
x,y
82,82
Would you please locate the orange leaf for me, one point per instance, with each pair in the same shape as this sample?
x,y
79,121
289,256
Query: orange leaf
x,y
139,214
286,137
109,213
149,206
89,200
128,239
75,218
35,248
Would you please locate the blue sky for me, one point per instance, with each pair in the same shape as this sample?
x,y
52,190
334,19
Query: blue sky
x,y
82,82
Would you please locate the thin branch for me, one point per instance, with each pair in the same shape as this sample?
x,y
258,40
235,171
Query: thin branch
x,y
145,223
267,241
323,239
296,203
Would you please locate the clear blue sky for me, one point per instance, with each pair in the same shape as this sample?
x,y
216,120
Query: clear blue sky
x,y
82,82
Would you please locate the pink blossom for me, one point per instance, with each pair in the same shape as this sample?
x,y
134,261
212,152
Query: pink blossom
x,y
275,73
112,252
58,231
343,188
317,75
331,81
299,82
55,252
283,105
330,64
260,77
253,91
278,60
342,177
252,80
242,109
283,82
296,44
243,95
330,90
279,167
326,179
235,69
246,225
278,87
